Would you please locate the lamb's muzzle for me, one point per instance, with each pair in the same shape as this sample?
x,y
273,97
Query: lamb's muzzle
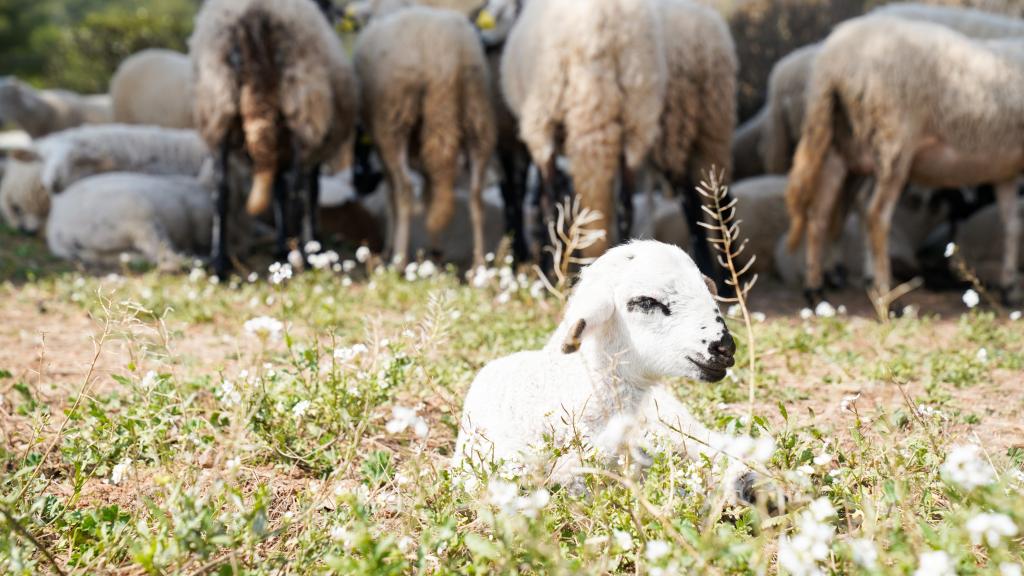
x,y
721,357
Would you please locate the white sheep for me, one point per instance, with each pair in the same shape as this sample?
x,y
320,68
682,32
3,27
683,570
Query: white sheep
x,y
53,163
153,87
411,93
160,218
642,312
967,21
272,84
589,78
913,102
41,112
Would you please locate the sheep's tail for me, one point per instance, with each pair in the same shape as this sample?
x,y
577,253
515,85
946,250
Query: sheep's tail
x,y
258,103
815,143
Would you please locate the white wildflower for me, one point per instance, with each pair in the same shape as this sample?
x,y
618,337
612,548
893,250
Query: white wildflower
x,y
806,313
350,353
966,467
935,563
295,259
801,553
323,260
228,394
120,471
402,418
427,269
734,311
656,550
529,506
196,275
253,277
362,254
623,540
312,247
233,465
971,298
758,317
864,553
748,449
991,528
264,327
300,409
982,355
279,272
489,257
822,459
848,402
824,310
821,509
503,298
502,494
841,309
1015,315
150,380
537,290
1009,569
950,250
410,271
348,266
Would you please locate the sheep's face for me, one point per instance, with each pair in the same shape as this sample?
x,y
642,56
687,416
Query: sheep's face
x,y
649,301
496,18
24,202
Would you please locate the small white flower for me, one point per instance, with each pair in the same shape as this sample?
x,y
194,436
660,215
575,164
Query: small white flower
x,y
982,355
848,402
530,506
410,271
656,550
1015,315
966,467
806,313
1009,569
821,509
748,449
300,409
822,459
295,259
323,260
427,269
362,254
991,528
402,418
623,540
734,311
253,277
264,327
950,250
196,275
501,494
503,298
758,317
489,257
348,265
537,290
150,380
864,553
971,298
841,309
279,272
312,247
935,563
824,310
228,394
120,471
233,464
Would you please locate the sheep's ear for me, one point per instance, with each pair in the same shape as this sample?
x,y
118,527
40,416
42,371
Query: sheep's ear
x,y
25,154
585,314
712,287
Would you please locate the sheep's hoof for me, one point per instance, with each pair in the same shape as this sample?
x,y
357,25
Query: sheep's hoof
x,y
814,296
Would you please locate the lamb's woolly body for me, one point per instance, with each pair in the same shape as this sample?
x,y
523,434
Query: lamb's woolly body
x,y
699,113
945,113
42,112
423,69
153,87
292,87
101,217
63,158
590,77
516,402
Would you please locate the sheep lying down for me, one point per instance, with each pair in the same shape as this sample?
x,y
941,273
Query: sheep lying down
x,y
642,312
160,218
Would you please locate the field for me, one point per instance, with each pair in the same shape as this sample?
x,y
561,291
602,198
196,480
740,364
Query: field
x,y
145,429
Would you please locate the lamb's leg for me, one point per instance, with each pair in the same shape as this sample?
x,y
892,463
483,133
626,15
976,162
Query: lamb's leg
x,y
222,203
889,183
818,220
1009,214
627,186
478,171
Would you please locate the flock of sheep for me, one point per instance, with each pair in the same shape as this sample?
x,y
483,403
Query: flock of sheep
x,y
441,127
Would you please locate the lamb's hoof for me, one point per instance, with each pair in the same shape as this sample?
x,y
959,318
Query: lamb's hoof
x,y
753,491
814,296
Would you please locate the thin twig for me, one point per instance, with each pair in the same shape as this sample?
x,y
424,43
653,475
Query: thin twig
x,y
17,527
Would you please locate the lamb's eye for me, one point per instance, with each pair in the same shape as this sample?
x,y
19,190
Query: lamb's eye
x,y
646,304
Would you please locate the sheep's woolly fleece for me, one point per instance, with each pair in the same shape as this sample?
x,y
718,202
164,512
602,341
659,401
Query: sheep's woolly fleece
x,y
42,112
640,313
153,87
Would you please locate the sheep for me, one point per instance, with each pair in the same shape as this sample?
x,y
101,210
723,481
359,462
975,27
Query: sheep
x,y
588,78
153,87
747,161
161,218
974,241
42,112
641,312
967,21
271,81
444,103
53,163
941,114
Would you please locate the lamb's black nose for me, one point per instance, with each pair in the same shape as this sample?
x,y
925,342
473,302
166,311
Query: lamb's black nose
x,y
724,348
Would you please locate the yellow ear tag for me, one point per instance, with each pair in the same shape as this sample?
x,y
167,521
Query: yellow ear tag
x,y
485,20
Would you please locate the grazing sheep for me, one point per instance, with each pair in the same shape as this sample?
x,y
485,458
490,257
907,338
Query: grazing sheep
x,y
588,78
271,82
747,161
942,113
974,240
53,163
99,218
153,87
640,313
443,104
41,112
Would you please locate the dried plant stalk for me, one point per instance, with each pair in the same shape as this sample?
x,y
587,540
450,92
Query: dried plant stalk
x,y
569,234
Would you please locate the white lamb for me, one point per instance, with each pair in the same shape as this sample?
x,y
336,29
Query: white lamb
x,y
98,219
640,313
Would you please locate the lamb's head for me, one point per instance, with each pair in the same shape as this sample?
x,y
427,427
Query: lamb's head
x,y
646,305
24,202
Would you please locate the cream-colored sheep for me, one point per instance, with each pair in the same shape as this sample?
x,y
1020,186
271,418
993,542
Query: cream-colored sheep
x,y
55,162
41,112
424,80
967,21
160,218
588,78
747,161
272,83
907,102
153,87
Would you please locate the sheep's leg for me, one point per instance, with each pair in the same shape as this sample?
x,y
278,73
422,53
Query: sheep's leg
x,y
699,245
222,203
310,232
1009,214
281,217
513,189
627,186
440,136
478,171
888,186
396,163
819,219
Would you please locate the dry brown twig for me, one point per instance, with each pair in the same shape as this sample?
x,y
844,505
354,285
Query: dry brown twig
x,y
567,241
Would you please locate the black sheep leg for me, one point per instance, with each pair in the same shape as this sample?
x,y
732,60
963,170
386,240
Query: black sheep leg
x,y
310,229
700,247
281,217
627,187
513,190
222,203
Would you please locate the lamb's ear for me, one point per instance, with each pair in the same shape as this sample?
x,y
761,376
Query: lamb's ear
x,y
712,287
586,312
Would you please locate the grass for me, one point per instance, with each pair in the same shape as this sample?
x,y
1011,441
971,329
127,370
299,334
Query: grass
x,y
183,444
